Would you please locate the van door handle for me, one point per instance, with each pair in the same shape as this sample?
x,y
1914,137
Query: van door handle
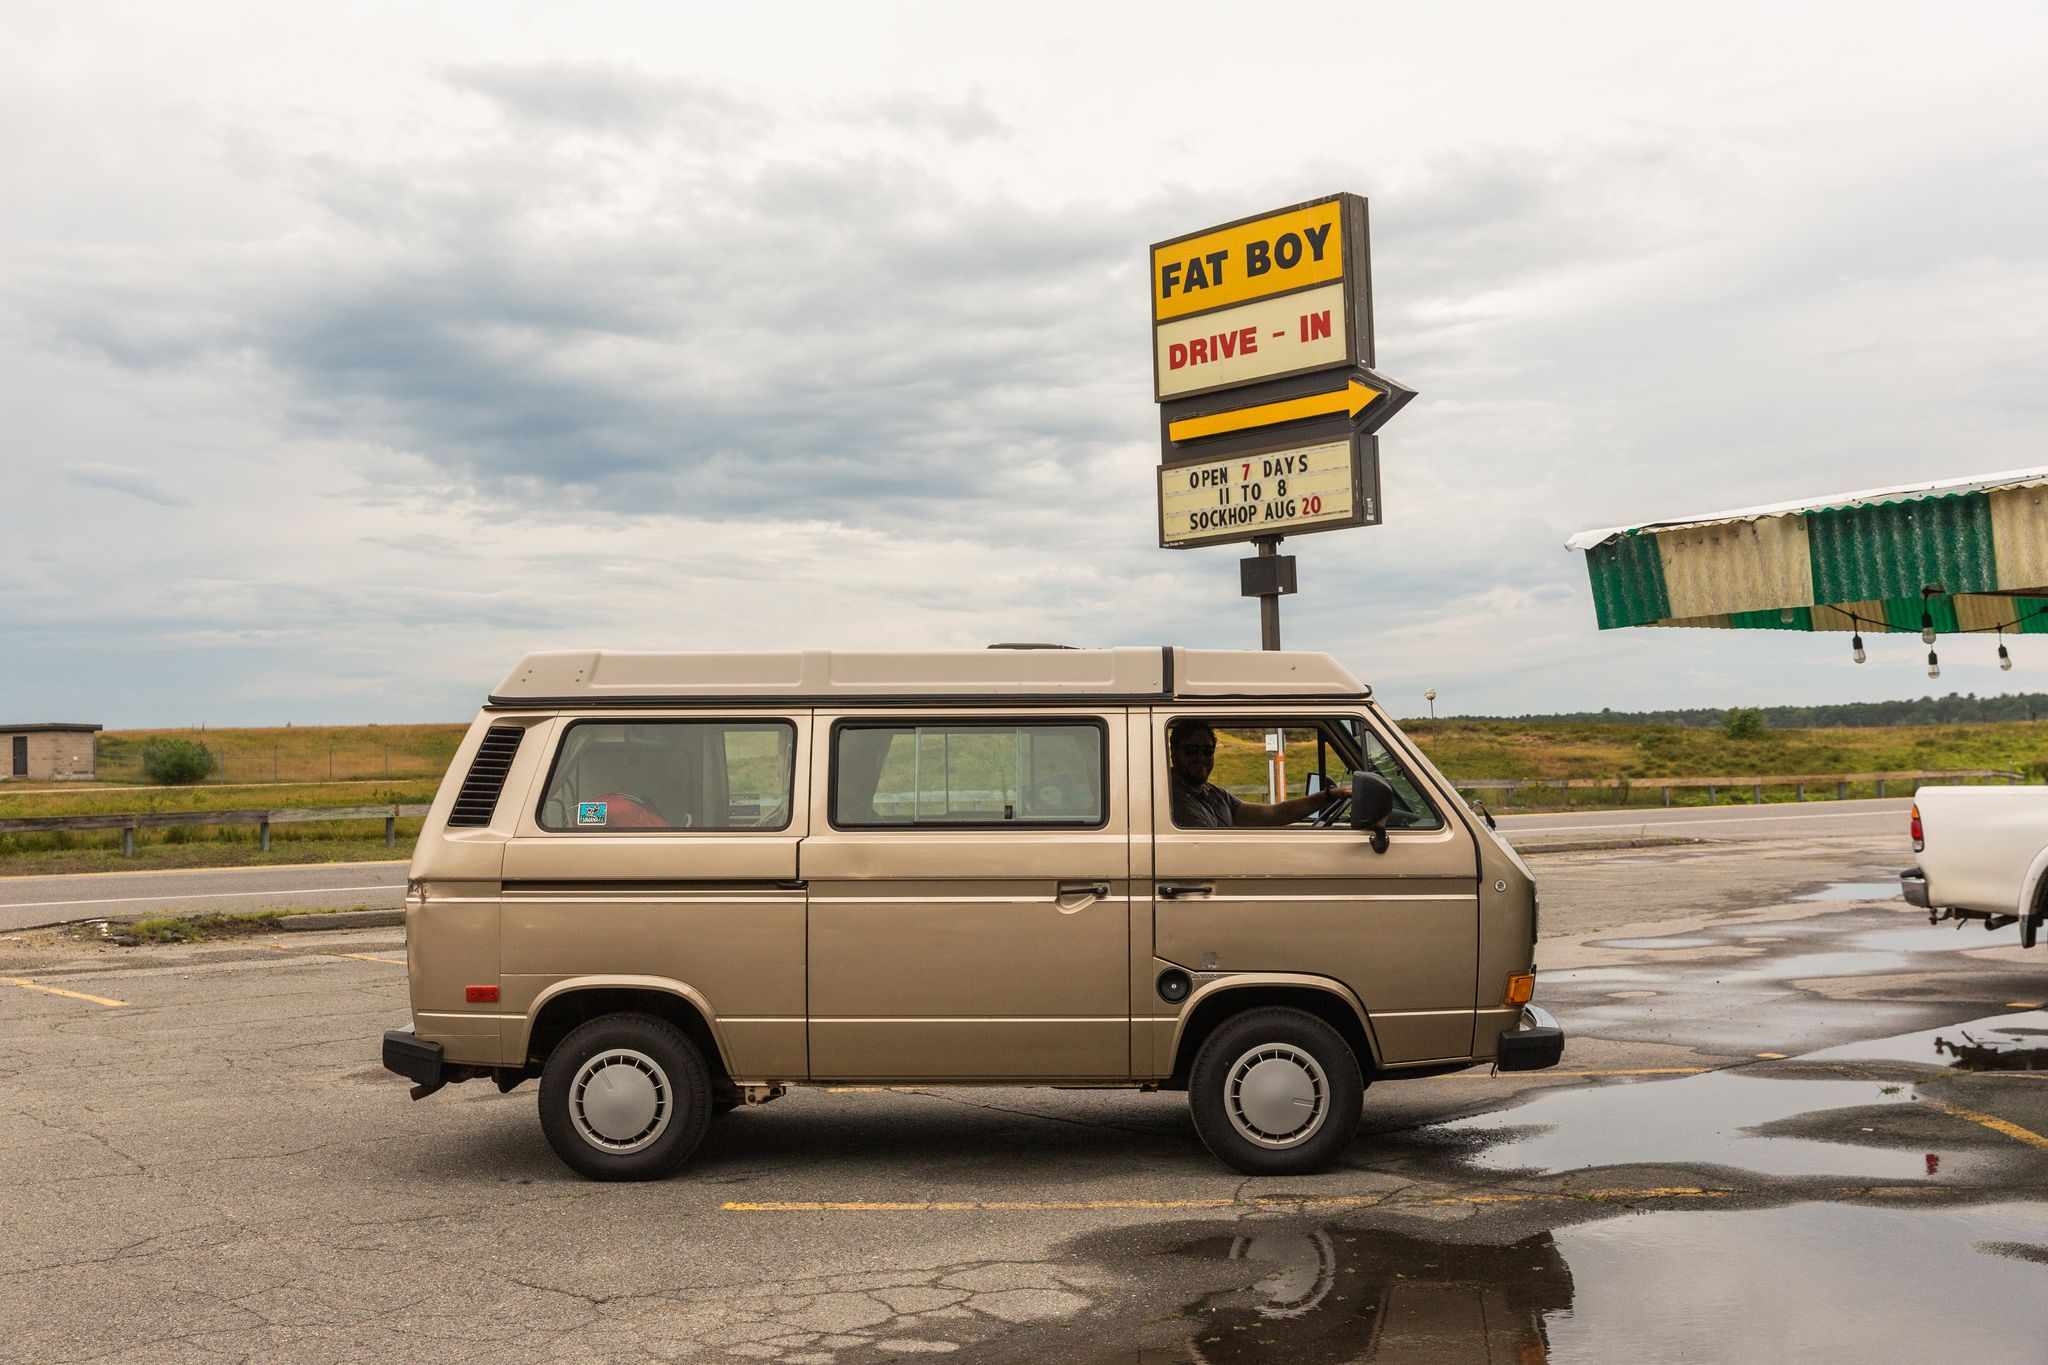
x,y
1096,889
1174,891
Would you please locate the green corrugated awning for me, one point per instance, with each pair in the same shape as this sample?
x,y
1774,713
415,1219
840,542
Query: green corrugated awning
x,y
1971,553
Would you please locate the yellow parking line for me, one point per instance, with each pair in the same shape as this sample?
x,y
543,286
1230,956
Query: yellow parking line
x,y
29,985
2023,1004
1993,1122
1309,1201
366,957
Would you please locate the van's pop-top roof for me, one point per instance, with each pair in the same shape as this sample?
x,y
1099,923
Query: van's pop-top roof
x,y
603,677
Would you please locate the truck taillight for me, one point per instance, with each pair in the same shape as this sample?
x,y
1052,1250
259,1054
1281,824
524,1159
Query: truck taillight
x,y
1919,835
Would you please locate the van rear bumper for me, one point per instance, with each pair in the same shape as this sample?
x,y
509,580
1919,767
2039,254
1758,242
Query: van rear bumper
x,y
1913,886
1537,1042
416,1061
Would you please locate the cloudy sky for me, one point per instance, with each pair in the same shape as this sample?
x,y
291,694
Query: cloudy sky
x,y
348,352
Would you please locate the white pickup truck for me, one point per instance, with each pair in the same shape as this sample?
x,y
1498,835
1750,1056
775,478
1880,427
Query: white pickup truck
x,y
1983,855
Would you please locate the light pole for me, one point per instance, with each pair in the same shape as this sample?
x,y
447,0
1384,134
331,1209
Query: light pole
x,y
1429,695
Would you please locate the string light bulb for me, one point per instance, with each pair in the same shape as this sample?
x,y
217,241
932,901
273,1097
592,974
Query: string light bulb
x,y
1926,627
1933,665
1856,644
2004,657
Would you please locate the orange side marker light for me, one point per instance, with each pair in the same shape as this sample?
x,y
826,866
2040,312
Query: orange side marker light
x,y
1521,989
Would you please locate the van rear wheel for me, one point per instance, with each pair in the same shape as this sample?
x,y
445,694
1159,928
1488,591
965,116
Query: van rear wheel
x,y
625,1097
1276,1091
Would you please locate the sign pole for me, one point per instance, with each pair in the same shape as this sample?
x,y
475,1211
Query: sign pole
x,y
1268,576
1269,601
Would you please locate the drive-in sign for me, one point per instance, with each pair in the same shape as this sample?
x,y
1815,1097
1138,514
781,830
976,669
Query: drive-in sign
x,y
1261,365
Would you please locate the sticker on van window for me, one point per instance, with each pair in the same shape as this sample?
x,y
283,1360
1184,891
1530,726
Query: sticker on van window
x,y
590,812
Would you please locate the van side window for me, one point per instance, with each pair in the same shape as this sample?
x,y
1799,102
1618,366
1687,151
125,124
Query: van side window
x,y
908,773
1315,754
671,775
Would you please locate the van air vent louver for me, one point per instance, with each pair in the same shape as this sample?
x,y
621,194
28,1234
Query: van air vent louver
x,y
479,794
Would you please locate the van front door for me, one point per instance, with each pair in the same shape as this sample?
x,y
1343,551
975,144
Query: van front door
x,y
969,897
1399,928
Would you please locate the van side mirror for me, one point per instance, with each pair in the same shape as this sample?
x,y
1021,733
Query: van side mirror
x,y
1372,801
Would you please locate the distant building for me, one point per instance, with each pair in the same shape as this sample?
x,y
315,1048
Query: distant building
x,y
46,752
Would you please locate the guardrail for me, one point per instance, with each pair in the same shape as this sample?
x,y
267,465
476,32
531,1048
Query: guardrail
x,y
1715,785
262,819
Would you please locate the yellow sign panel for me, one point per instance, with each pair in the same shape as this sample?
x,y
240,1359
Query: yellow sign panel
x,y
1250,260
1304,331
1244,495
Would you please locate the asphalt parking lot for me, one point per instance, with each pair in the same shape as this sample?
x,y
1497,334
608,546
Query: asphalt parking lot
x,y
1792,1122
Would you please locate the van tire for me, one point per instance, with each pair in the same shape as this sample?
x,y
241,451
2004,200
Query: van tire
x,y
1264,1065
655,1119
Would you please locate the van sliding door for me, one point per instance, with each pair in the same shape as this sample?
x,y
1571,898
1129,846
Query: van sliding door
x,y
969,897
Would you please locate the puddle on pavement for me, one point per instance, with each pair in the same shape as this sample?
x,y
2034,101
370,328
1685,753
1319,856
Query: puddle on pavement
x,y
1855,891
1705,1121
2001,1042
1939,938
1812,1282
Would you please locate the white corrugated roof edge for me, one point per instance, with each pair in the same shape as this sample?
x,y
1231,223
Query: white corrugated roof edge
x,y
1905,492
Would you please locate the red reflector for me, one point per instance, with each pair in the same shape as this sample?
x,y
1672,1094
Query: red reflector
x,y
480,995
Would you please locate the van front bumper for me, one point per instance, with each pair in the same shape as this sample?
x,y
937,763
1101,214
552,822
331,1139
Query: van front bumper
x,y
416,1061
1537,1042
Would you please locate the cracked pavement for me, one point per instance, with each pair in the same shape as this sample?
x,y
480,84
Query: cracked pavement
x,y
219,1170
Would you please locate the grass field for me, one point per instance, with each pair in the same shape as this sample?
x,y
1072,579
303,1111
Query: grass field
x,y
1507,749
296,753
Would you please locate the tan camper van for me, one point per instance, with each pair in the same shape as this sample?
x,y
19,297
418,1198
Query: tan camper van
x,y
670,884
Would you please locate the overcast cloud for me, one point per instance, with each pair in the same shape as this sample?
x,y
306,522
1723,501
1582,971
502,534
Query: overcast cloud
x,y
347,355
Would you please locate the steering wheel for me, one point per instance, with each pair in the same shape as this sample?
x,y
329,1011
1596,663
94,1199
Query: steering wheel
x,y
1329,815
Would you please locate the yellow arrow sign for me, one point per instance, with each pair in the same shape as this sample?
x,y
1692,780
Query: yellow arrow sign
x,y
1353,399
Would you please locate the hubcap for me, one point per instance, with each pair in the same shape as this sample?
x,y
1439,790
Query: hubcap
x,y
620,1101
1276,1096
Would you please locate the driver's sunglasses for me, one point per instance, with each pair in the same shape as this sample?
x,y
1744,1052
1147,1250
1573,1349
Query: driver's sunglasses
x,y
1205,750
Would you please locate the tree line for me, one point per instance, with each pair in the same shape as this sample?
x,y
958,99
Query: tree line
x,y
1957,708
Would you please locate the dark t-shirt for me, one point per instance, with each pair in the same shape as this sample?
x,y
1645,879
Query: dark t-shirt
x,y
1206,806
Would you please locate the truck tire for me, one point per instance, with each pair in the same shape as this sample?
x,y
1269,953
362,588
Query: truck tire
x,y
1276,1091
625,1097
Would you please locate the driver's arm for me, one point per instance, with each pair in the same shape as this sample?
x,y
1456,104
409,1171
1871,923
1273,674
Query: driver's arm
x,y
1287,812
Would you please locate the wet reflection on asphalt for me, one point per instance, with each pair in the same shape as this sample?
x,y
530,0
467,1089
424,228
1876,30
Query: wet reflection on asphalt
x,y
1810,1282
1710,1120
2005,1042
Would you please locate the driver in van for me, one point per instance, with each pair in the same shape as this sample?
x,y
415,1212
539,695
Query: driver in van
x,y
1199,803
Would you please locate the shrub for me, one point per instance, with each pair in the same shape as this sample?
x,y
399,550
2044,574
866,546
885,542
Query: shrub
x,y
176,762
1743,722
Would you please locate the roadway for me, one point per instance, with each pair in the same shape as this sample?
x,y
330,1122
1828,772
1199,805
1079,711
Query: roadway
x,y
1802,820
28,902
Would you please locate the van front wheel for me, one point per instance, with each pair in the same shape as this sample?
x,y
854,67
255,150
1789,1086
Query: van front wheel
x,y
1276,1091
625,1097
